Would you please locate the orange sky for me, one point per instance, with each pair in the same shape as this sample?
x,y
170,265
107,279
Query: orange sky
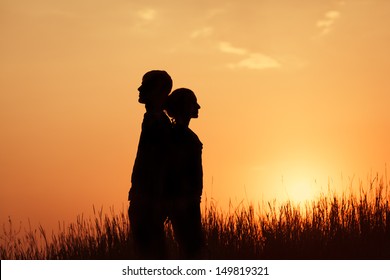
x,y
293,93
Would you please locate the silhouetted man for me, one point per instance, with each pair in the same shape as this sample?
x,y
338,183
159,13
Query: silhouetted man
x,y
148,178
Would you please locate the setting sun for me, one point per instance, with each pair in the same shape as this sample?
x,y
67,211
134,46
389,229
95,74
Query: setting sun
x,y
299,186
300,191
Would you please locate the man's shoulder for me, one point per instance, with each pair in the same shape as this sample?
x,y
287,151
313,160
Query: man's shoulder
x,y
156,120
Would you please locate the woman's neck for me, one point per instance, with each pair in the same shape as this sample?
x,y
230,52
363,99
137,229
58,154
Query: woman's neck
x,y
183,121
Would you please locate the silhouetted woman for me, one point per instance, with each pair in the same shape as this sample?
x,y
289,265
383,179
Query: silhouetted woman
x,y
183,193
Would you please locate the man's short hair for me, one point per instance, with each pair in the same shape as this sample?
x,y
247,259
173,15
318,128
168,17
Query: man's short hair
x,y
162,78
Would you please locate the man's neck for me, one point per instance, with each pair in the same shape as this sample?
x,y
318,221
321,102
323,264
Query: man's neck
x,y
153,109
155,114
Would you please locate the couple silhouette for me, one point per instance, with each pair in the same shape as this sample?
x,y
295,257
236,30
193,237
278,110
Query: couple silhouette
x,y
167,178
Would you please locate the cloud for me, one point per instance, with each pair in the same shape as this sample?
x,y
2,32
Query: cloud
x,y
226,47
147,14
144,19
251,60
256,61
328,21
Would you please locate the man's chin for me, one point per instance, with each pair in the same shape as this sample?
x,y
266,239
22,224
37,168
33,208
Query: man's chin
x,y
140,100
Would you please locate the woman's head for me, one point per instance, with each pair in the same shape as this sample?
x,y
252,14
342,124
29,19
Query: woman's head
x,y
182,105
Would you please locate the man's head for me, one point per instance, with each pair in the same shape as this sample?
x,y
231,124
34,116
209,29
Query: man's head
x,y
155,87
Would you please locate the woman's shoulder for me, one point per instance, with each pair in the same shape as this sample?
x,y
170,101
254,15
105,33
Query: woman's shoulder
x,y
194,138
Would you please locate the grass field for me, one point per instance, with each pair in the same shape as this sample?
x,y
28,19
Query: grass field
x,y
331,227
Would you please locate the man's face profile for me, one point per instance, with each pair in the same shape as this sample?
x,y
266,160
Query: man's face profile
x,y
146,91
154,88
150,90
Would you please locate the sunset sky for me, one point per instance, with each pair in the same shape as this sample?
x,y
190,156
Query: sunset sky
x,y
295,95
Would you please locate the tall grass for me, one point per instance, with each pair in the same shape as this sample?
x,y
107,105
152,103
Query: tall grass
x,y
331,227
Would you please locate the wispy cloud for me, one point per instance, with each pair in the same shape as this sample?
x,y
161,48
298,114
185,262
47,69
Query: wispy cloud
x,y
326,24
147,14
256,61
250,60
143,19
226,47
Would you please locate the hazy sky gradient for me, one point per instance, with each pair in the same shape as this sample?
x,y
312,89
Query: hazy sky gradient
x,y
293,93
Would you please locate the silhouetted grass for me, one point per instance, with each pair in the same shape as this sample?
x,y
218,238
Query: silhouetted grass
x,y
331,227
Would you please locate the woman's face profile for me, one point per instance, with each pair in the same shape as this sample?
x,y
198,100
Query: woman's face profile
x,y
194,109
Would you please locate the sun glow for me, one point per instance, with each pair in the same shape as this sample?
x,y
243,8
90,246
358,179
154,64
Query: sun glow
x,y
296,181
301,184
300,190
